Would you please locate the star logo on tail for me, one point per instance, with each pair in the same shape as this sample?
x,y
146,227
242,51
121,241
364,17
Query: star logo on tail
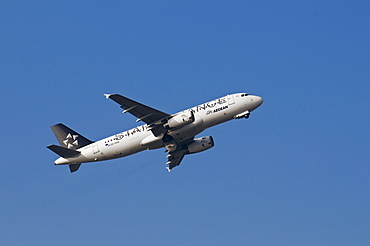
x,y
71,141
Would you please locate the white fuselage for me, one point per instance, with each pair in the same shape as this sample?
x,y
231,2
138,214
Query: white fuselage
x,y
141,138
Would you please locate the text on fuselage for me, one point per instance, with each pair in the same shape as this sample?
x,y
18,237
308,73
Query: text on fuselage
x,y
209,105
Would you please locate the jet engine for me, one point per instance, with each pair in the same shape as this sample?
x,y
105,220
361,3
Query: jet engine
x,y
200,144
180,120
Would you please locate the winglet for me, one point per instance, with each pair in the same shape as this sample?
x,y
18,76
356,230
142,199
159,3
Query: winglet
x,y
107,95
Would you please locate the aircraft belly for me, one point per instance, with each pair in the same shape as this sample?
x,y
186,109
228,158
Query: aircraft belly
x,y
218,119
152,142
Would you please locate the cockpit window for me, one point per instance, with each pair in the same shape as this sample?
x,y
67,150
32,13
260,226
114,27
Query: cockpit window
x,y
244,95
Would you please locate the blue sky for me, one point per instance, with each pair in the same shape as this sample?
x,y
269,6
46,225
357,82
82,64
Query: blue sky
x,y
295,173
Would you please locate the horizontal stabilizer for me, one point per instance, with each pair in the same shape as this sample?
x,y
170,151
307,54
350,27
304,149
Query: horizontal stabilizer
x,y
63,152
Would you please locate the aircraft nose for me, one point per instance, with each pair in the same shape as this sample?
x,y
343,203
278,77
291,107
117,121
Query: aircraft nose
x,y
258,100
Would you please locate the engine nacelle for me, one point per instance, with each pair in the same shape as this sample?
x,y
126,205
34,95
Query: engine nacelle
x,y
200,144
180,120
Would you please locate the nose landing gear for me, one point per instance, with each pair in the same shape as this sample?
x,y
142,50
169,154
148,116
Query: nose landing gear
x,y
245,114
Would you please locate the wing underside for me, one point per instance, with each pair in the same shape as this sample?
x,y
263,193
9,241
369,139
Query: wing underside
x,y
174,159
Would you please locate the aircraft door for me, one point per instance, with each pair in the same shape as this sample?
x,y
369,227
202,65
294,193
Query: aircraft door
x,y
95,148
230,99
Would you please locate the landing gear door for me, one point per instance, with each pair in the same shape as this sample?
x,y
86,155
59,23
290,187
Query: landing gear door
x,y
95,148
230,99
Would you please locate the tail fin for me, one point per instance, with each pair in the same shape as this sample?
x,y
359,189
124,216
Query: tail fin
x,y
68,138
69,141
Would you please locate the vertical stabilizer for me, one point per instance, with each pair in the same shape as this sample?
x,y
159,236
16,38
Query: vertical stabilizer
x,y
68,138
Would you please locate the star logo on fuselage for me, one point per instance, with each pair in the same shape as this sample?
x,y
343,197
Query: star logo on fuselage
x,y
71,141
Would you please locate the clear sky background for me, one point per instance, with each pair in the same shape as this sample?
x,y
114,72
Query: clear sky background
x,y
295,173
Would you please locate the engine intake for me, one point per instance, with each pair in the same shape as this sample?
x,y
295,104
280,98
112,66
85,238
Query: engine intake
x,y
200,144
180,120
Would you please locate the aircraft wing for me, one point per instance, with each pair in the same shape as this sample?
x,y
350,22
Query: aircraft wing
x,y
174,158
142,112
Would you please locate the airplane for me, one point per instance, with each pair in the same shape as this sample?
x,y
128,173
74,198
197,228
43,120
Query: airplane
x,y
175,132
